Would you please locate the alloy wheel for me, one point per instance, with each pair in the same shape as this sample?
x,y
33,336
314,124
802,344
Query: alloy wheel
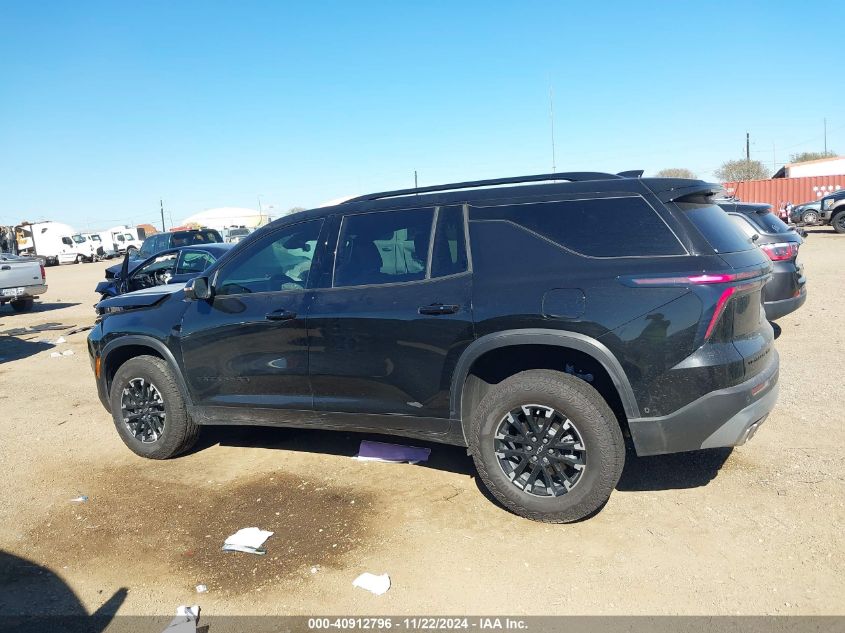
x,y
540,450
142,409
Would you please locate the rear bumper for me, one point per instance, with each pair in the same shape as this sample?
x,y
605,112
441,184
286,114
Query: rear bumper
x,y
728,417
30,293
778,309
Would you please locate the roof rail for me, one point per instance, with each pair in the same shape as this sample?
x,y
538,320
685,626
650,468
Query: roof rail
x,y
574,176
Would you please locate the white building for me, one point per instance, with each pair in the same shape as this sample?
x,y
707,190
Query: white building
x,y
834,166
224,217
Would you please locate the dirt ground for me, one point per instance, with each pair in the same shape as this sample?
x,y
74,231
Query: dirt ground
x,y
758,530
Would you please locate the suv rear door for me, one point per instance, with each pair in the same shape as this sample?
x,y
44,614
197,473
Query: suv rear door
x,y
387,330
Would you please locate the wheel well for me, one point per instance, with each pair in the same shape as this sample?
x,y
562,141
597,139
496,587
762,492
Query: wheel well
x,y
117,357
494,366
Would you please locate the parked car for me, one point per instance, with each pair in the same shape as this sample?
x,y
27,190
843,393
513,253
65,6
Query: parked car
x,y
175,265
163,241
786,291
21,280
534,323
832,210
807,213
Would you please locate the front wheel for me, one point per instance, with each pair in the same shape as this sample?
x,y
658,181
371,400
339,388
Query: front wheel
x,y
149,411
547,446
810,217
838,222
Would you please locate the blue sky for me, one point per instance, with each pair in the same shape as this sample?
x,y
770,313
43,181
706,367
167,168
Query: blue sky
x,y
105,107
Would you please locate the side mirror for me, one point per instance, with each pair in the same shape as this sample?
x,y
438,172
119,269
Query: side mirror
x,y
755,237
197,289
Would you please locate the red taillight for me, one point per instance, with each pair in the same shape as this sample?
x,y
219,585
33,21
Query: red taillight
x,y
781,251
722,303
43,272
702,278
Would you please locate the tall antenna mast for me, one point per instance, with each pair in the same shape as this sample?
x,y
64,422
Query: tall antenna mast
x,y
552,119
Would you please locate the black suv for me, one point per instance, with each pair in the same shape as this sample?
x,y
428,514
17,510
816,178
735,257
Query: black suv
x,y
158,242
537,324
786,291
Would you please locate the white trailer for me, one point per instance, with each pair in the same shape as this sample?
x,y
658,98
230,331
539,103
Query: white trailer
x,y
45,240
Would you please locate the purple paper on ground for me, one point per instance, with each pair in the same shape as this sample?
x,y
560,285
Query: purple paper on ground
x,y
380,451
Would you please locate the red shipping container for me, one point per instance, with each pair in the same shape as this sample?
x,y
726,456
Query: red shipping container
x,y
778,191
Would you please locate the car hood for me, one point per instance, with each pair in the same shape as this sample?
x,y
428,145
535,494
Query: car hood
x,y
140,298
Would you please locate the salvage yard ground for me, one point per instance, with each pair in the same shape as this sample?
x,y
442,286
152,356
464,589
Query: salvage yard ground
x,y
756,530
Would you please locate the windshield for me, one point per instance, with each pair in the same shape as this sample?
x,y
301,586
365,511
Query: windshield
x,y
78,239
238,232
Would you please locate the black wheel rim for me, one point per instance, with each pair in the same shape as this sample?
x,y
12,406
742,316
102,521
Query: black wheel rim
x,y
142,408
840,221
540,450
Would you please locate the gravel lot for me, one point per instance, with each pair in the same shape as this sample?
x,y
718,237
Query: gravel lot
x,y
753,531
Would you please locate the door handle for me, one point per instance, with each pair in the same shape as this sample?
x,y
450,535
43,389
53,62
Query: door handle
x,y
280,315
438,308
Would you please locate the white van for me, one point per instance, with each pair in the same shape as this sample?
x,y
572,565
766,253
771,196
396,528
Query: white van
x,y
46,240
122,238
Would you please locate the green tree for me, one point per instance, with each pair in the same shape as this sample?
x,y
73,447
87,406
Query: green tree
x,y
295,210
676,172
803,157
737,170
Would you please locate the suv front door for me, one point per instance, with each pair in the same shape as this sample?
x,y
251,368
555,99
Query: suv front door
x,y
385,337
246,348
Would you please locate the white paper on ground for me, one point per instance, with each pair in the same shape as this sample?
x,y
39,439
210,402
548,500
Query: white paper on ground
x,y
55,355
185,621
247,540
372,583
59,340
67,352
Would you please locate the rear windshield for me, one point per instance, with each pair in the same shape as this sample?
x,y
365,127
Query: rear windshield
x,y
716,227
768,222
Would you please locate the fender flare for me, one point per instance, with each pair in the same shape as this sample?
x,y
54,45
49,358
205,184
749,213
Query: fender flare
x,y
541,336
158,346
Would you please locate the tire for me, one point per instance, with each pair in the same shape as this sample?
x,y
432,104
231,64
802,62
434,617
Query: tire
x,y
79,259
810,217
177,433
590,420
22,305
838,222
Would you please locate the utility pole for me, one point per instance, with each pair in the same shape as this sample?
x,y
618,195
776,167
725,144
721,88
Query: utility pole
x,y
747,148
161,204
416,186
825,135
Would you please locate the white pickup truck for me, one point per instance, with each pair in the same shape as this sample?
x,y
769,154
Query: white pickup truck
x,y
21,279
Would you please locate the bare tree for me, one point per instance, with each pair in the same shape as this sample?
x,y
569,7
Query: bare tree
x,y
676,172
803,157
737,170
295,210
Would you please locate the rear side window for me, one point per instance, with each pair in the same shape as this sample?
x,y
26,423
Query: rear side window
x,y
597,227
716,227
449,255
383,247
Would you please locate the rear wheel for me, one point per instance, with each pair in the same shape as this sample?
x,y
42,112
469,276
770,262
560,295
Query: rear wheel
x,y
547,446
79,259
838,222
22,305
149,411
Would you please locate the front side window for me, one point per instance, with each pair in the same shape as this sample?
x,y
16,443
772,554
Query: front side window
x,y
193,262
383,247
281,261
67,241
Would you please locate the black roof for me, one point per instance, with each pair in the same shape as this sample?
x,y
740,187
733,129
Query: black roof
x,y
518,187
